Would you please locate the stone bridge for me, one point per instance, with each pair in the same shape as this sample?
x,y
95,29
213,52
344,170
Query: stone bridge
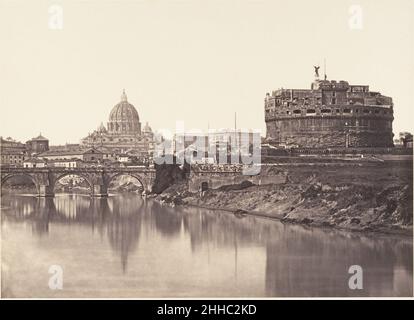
x,y
98,178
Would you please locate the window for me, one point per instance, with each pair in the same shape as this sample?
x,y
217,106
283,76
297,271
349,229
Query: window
x,y
333,100
204,186
326,111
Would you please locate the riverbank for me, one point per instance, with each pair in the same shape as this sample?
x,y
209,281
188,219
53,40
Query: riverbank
x,y
367,199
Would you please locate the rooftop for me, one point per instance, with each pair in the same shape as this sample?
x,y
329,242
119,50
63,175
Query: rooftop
x,y
70,152
39,138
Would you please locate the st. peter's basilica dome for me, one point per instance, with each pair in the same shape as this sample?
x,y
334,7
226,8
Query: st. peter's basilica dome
x,y
124,118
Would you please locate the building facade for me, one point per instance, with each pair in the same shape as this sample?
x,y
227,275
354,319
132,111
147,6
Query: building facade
x,y
37,145
123,133
329,115
60,163
84,154
34,163
216,142
12,152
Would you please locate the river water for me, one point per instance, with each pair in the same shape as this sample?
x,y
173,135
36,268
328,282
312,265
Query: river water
x,y
124,246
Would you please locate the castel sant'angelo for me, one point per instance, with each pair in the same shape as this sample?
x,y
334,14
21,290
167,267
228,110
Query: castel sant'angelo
x,y
330,114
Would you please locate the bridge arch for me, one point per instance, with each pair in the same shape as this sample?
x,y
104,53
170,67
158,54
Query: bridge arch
x,y
97,179
63,175
19,174
134,175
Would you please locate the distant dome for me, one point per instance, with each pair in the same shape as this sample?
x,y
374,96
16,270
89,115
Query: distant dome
x,y
124,118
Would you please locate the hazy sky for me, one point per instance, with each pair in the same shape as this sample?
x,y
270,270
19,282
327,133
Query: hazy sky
x,y
195,61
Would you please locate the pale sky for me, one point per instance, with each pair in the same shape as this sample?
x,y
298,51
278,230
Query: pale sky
x,y
192,61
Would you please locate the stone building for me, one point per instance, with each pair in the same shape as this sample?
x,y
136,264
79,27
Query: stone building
x,y
329,115
123,133
37,145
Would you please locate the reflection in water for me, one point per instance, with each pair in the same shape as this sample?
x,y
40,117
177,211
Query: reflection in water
x,y
123,225
323,265
225,256
115,216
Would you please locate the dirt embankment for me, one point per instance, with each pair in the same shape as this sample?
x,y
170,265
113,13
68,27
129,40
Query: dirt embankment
x,y
361,198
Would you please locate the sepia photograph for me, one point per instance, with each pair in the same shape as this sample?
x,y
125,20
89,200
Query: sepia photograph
x,y
188,149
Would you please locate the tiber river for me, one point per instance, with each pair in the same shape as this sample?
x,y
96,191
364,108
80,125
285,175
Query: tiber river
x,y
124,246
